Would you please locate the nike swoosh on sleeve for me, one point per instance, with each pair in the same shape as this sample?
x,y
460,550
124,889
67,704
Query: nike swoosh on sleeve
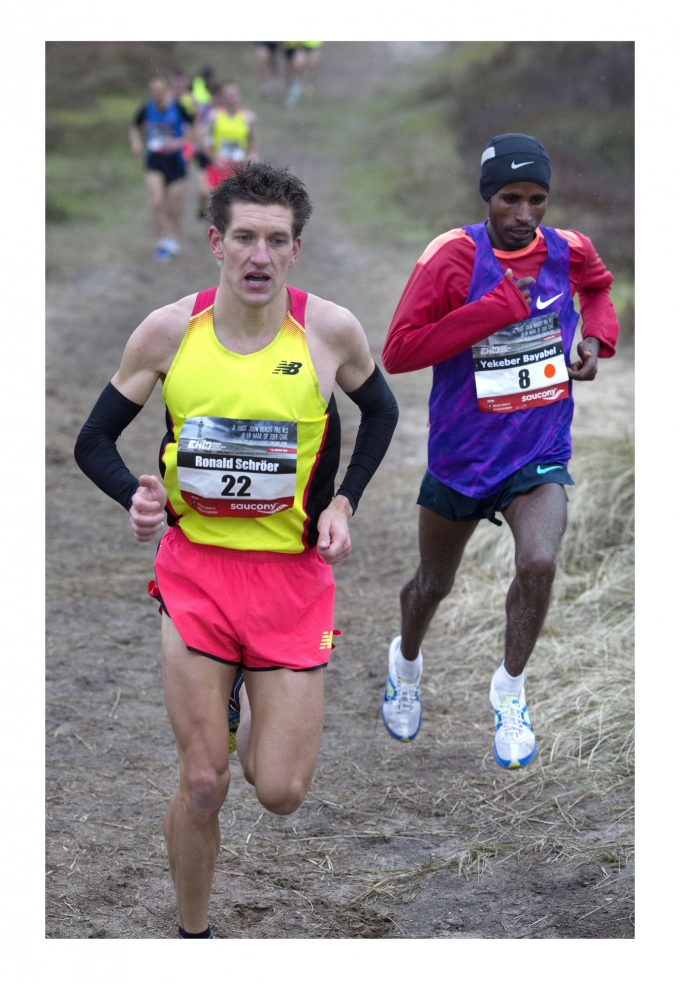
x,y
542,471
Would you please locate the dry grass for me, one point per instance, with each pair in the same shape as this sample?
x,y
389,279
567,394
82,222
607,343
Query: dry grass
x,y
580,679
579,688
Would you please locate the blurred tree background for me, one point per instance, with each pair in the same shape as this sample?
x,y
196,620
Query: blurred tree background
x,y
407,154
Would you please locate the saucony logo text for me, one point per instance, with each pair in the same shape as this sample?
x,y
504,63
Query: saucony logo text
x,y
549,394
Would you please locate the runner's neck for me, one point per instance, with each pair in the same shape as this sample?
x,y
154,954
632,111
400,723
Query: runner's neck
x,y
244,329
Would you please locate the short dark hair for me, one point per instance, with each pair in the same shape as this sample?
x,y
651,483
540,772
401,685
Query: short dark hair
x,y
263,184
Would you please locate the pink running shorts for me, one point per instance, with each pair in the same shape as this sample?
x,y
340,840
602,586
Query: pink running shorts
x,y
259,609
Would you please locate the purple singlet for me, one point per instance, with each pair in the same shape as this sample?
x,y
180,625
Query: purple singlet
x,y
472,451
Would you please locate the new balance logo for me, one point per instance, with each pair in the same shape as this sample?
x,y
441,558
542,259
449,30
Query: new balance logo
x,y
288,368
326,640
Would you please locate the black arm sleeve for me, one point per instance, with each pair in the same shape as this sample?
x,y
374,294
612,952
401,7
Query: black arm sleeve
x,y
379,416
96,452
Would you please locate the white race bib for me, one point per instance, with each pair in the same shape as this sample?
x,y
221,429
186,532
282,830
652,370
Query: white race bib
x,y
156,137
230,152
228,467
521,366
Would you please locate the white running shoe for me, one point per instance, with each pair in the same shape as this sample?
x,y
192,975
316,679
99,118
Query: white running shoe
x,y
514,743
401,712
295,90
172,246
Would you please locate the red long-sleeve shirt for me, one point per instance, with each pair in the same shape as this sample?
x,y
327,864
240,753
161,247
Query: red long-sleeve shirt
x,y
432,322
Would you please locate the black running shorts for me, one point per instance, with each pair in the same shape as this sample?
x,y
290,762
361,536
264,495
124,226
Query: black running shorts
x,y
455,506
171,166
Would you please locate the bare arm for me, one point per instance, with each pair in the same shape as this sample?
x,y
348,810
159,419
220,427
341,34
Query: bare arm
x,y
136,141
150,350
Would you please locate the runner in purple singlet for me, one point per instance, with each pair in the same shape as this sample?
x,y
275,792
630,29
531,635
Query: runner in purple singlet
x,y
490,308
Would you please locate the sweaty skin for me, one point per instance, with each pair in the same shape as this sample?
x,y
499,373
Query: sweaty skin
x,y
256,251
515,212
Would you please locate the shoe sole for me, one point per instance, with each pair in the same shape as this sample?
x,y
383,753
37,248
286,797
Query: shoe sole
x,y
513,763
394,734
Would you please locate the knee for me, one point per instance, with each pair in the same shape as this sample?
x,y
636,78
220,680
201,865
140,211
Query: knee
x,y
536,569
205,791
248,774
429,587
282,799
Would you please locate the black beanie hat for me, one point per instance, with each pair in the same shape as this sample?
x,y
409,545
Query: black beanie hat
x,y
513,157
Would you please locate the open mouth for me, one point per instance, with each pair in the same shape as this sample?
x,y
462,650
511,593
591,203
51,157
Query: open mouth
x,y
257,279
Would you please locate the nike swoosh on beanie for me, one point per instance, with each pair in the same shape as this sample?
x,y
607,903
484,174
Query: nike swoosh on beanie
x,y
506,153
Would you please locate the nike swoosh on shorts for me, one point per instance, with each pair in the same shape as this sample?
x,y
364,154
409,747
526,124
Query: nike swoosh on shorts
x,y
544,304
542,471
523,164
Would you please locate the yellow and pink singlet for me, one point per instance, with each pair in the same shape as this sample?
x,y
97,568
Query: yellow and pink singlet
x,y
248,463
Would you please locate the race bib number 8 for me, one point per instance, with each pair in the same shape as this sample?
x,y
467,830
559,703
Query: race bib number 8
x,y
228,467
521,366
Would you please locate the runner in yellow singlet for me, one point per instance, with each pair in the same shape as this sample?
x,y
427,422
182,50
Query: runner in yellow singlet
x,y
230,135
248,466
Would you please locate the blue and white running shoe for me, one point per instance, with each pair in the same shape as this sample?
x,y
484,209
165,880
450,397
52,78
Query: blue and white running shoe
x,y
162,255
401,711
514,743
171,245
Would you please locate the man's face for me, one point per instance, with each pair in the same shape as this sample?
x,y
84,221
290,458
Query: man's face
x,y
256,251
160,91
514,213
231,98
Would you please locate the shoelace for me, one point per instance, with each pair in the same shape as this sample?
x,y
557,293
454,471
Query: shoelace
x,y
406,695
511,719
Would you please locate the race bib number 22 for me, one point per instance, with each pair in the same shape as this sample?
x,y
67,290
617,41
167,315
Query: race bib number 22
x,y
228,467
521,366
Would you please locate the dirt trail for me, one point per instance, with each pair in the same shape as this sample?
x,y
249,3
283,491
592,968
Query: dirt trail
x,y
375,807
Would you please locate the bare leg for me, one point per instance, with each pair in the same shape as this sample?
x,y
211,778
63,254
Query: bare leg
x,y
243,733
311,69
266,68
156,185
442,543
196,694
538,521
279,750
175,205
203,190
296,83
